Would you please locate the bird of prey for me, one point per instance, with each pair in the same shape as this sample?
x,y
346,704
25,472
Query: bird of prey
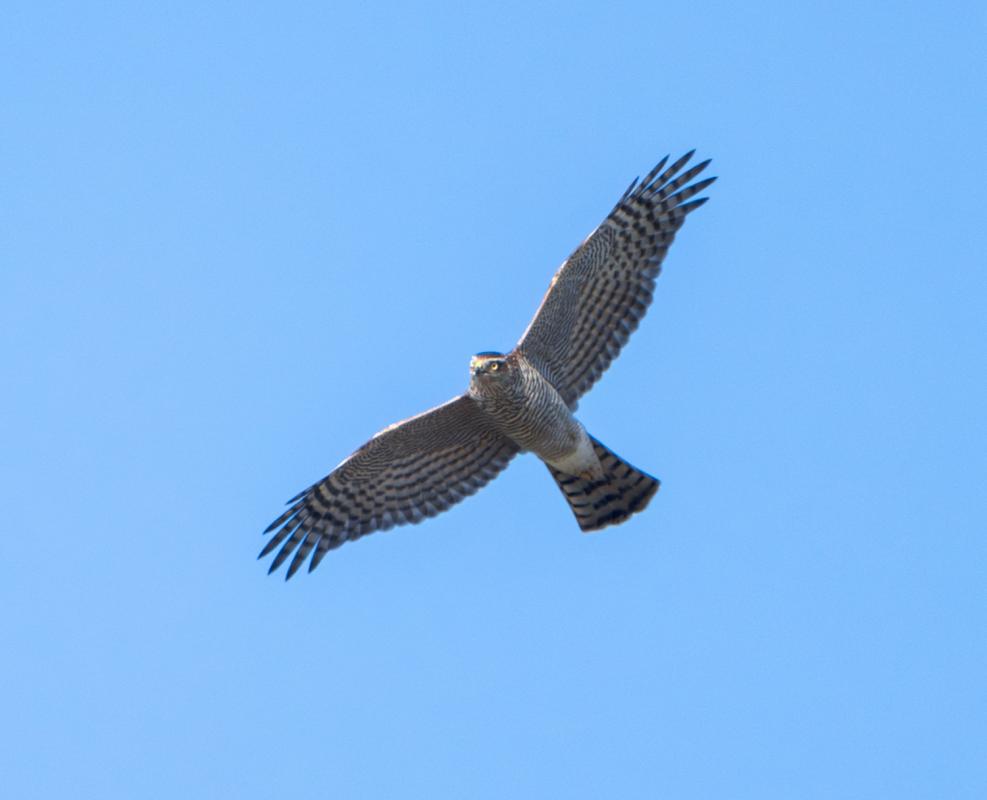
x,y
519,401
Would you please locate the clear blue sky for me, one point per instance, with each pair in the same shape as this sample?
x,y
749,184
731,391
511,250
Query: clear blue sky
x,y
236,241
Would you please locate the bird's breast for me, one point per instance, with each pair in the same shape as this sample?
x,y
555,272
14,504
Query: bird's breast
x,y
536,417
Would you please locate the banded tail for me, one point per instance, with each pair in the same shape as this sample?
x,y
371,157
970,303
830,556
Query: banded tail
x,y
621,492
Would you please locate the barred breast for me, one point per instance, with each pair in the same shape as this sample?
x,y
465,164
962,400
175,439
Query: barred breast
x,y
533,414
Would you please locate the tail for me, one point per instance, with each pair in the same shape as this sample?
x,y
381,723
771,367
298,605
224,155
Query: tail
x,y
622,491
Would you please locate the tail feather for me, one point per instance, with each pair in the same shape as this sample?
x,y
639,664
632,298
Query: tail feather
x,y
622,491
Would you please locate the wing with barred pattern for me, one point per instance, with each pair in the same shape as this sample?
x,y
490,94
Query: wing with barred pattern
x,y
602,291
409,471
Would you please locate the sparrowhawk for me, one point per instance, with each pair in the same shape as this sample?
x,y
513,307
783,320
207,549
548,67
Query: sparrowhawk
x,y
521,401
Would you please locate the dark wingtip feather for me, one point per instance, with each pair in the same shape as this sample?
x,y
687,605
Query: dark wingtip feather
x,y
299,496
279,537
281,520
272,526
692,205
649,178
306,547
671,172
317,557
683,160
628,191
698,186
691,190
287,549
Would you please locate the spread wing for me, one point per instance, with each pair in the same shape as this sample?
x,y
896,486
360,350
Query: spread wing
x,y
411,470
601,292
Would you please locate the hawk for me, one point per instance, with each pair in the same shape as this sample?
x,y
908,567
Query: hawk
x,y
521,401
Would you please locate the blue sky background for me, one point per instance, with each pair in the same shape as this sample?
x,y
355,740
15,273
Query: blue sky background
x,y
236,241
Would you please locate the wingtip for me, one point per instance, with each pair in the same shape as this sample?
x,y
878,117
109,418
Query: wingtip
x,y
267,548
298,496
297,561
629,190
692,205
655,170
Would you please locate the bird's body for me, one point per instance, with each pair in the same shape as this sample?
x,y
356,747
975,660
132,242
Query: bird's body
x,y
529,411
521,401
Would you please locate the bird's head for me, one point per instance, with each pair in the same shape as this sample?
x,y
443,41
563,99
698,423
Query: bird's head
x,y
490,367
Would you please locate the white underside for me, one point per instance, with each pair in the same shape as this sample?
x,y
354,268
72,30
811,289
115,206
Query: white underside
x,y
581,461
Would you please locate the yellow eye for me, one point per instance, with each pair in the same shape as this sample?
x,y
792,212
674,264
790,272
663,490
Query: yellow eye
x,y
494,366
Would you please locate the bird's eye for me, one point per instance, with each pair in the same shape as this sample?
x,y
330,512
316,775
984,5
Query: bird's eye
x,y
494,366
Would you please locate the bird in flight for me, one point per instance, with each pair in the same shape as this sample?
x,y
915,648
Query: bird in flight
x,y
518,401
